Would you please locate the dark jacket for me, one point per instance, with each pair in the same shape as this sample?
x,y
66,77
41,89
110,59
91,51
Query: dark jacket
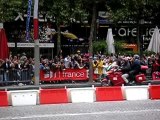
x,y
125,67
136,66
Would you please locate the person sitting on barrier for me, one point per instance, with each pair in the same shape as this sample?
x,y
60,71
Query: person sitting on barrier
x,y
135,67
105,78
125,68
104,73
113,65
110,64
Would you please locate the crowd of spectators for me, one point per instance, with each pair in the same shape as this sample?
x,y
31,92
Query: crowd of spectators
x,y
78,60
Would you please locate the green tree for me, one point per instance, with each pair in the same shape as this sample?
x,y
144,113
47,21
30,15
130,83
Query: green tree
x,y
9,9
135,10
99,46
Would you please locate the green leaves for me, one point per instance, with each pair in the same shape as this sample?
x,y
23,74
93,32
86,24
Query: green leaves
x,y
9,9
134,9
100,46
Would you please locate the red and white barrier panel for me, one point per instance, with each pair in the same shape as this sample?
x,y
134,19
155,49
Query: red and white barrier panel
x,y
78,95
24,97
154,91
3,98
136,92
53,96
109,94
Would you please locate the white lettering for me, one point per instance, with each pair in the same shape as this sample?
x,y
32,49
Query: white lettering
x,y
134,32
151,31
122,32
73,74
128,32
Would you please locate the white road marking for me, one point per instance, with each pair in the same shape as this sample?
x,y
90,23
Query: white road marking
x,y
78,114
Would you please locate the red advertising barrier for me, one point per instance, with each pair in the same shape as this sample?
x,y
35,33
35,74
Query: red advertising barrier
x,y
154,92
140,78
3,98
67,74
53,96
116,78
109,94
156,75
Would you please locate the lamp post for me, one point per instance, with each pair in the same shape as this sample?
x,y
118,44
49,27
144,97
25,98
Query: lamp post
x,y
36,43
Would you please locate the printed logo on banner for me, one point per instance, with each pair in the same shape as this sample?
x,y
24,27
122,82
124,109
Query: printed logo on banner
x,y
68,74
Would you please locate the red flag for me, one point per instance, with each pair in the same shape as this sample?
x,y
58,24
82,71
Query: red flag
x,y
4,49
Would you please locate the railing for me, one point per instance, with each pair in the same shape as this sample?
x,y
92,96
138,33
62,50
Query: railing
x,y
15,76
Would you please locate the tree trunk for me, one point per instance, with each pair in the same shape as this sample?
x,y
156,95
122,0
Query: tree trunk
x,y
92,30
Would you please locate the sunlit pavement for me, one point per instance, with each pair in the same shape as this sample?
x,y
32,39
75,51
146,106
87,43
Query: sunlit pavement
x,y
110,110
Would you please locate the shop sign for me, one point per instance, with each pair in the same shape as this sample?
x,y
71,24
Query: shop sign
x,y
11,44
31,45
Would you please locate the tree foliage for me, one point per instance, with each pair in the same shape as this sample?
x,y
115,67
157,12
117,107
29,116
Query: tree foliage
x,y
135,9
9,9
62,11
99,46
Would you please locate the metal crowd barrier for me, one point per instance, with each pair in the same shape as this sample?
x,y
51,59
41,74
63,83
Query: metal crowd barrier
x,y
15,76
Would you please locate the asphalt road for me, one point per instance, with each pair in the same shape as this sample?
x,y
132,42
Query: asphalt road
x,y
113,110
